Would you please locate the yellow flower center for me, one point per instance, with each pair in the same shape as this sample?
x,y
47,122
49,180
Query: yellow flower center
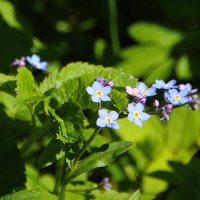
x,y
133,93
99,93
144,92
108,120
136,114
177,97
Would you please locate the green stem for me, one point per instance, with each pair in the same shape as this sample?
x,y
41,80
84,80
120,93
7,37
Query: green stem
x,y
59,175
86,145
113,27
67,174
32,111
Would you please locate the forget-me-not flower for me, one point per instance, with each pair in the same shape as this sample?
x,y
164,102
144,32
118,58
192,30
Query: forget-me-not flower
x,y
34,60
146,91
160,84
99,92
136,114
107,119
188,87
175,97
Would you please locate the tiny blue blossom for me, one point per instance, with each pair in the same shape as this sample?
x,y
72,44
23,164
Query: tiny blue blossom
x,y
147,92
160,84
136,114
107,119
175,97
34,60
99,92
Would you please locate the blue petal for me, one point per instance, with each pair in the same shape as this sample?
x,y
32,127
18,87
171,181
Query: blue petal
x,y
151,91
35,59
173,92
28,58
142,87
95,99
115,125
90,90
139,107
131,117
131,108
105,98
184,100
171,83
138,122
184,92
144,116
159,84
100,122
103,113
113,115
42,65
106,90
96,85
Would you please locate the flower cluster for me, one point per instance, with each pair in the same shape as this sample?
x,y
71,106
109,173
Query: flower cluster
x,y
158,99
33,60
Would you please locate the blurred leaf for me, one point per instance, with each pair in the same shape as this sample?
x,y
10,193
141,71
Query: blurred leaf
x,y
135,195
33,194
51,153
6,78
7,11
104,156
183,68
142,60
154,34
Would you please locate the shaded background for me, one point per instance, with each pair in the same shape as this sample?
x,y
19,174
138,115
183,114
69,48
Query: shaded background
x,y
148,39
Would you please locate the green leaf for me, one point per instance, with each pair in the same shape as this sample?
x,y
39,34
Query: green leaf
x,y
106,154
151,33
135,195
26,88
70,84
51,153
7,11
6,78
34,194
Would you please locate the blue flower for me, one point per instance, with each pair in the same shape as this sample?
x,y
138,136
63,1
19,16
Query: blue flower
x,y
34,60
175,97
160,84
99,92
136,114
108,119
146,91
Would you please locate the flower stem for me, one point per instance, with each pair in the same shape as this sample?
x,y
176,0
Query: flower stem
x,y
67,171
86,145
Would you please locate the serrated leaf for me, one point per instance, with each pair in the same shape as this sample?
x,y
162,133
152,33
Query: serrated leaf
x,y
51,153
135,195
71,82
6,78
35,194
106,154
26,88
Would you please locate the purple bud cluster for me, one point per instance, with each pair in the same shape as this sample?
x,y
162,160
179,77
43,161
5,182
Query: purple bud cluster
x,y
104,82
